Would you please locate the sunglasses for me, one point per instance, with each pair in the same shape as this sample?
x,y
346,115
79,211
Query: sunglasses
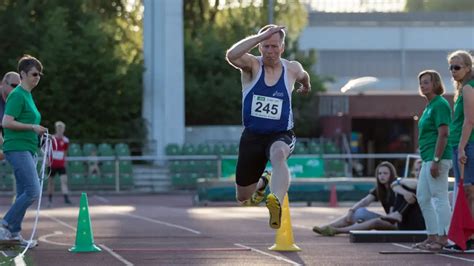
x,y
13,85
37,74
454,67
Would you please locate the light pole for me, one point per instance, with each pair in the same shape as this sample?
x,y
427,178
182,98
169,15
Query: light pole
x,y
270,11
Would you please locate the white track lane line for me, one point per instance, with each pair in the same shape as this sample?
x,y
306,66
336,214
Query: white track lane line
x,y
114,254
443,255
117,256
292,224
268,254
19,261
101,199
59,221
134,216
44,238
160,222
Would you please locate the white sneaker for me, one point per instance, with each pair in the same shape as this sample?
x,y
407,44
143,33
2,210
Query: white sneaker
x,y
5,234
24,242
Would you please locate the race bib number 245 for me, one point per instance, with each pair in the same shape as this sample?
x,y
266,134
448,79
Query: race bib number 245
x,y
266,107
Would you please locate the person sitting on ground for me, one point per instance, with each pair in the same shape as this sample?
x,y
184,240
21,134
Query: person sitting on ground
x,y
397,197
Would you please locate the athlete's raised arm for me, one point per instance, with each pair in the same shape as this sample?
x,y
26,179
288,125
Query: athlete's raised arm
x,y
238,55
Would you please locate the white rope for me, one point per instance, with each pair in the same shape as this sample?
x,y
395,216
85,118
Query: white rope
x,y
46,142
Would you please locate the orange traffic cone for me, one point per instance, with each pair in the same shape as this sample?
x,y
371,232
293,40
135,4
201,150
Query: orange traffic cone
x,y
284,240
333,197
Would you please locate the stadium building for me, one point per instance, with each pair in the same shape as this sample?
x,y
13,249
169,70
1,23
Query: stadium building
x,y
391,48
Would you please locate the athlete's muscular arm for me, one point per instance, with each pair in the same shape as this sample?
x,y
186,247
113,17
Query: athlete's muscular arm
x,y
302,77
238,55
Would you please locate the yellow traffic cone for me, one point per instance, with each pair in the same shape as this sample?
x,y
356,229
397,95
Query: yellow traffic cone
x,y
84,234
284,240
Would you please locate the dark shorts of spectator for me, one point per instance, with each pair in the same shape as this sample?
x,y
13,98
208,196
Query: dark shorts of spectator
x,y
57,171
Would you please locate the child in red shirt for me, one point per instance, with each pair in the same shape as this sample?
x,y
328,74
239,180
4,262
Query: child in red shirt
x,y
58,164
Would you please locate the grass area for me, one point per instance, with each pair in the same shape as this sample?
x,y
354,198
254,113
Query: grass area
x,y
8,255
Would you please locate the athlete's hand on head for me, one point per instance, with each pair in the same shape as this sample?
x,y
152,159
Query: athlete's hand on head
x,y
304,89
272,30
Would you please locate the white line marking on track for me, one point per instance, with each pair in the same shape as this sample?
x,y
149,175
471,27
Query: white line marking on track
x,y
302,226
160,222
19,261
293,225
104,200
60,222
443,255
268,254
44,239
117,256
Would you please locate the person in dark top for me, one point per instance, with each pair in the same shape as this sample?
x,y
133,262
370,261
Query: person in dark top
x,y
406,212
398,201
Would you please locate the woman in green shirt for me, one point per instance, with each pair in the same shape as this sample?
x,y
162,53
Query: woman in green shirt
x,y
21,123
432,189
461,135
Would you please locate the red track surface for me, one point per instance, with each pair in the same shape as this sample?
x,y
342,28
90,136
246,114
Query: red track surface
x,y
168,230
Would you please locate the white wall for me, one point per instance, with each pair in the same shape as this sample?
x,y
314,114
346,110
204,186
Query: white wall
x,y
393,54
387,38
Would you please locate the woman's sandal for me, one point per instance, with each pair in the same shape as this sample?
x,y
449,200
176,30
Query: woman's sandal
x,y
423,245
435,246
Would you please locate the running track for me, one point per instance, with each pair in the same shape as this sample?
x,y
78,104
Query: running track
x,y
169,230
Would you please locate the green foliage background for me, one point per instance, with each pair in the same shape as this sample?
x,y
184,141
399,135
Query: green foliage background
x,y
92,58
92,54
93,62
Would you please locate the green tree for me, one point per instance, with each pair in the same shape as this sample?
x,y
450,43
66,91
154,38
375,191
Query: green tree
x,y
439,5
212,86
92,56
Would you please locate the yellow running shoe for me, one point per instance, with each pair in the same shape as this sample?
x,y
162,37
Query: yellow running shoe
x,y
259,195
274,208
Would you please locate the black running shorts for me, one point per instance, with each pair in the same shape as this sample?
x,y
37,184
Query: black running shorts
x,y
57,171
254,153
